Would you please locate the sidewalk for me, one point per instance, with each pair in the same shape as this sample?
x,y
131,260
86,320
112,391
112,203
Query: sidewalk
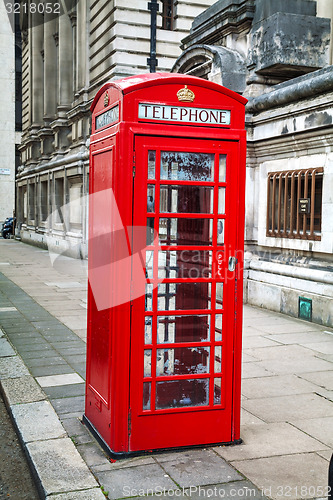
x,y
287,410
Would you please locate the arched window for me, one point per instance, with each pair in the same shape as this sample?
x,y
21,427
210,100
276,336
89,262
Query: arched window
x,y
167,15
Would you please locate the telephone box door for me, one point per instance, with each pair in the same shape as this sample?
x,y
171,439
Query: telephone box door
x,y
182,324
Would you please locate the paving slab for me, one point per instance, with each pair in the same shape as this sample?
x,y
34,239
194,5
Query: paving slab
x,y
79,368
124,463
289,408
234,490
322,379
319,428
59,466
254,370
37,421
198,467
22,341
92,454
41,353
253,341
40,371
65,391
91,494
295,365
325,394
323,347
327,454
32,359
268,440
72,351
57,380
280,352
302,338
248,419
74,426
278,385
68,405
246,358
5,348
289,476
22,390
129,482
12,367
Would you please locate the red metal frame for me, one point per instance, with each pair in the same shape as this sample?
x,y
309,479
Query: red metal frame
x,y
116,335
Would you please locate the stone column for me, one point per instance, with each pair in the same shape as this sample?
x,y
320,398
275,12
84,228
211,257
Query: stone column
x,y
65,76
46,134
82,36
65,97
50,69
37,80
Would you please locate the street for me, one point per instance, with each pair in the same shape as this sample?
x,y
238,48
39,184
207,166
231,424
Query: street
x,y
16,481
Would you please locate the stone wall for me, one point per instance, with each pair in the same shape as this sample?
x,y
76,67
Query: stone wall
x,y
291,132
7,118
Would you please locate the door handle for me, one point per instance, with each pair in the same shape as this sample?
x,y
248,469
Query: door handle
x,y
231,263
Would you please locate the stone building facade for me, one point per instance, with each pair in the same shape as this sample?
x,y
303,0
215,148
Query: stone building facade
x,y
66,59
10,125
279,55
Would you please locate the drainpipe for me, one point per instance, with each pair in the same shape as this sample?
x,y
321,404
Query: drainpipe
x,y
152,61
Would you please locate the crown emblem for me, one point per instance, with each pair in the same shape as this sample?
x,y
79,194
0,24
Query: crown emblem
x,y
185,95
106,99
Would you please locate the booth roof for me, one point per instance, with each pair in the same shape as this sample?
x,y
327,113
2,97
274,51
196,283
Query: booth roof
x,y
133,83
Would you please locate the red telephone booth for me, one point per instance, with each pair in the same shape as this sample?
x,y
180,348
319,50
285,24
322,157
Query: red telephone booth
x,y
166,204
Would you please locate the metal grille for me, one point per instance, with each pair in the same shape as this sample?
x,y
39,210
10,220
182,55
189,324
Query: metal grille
x,y
294,200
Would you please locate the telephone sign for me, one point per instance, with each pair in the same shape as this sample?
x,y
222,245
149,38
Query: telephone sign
x,y
184,114
167,159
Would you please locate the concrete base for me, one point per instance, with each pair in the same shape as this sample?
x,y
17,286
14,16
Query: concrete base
x,y
278,287
65,245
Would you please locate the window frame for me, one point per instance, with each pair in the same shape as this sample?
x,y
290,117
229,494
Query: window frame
x,y
168,20
284,220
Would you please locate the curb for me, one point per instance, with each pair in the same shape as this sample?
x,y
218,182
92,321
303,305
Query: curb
x,y
59,471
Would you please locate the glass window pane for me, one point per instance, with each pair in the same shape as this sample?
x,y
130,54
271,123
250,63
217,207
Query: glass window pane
x,y
221,207
219,295
148,329
149,297
151,164
220,232
182,361
147,363
150,230
182,296
218,327
185,231
180,393
191,264
187,166
218,359
149,263
146,395
217,391
222,167
183,329
151,198
186,199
